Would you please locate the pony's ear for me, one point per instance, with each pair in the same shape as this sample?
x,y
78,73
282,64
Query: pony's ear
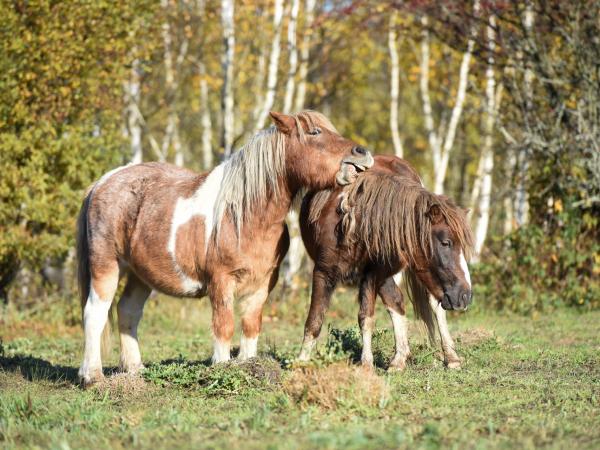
x,y
284,123
435,214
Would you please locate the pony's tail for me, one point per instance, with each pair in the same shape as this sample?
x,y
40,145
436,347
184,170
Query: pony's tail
x,y
419,298
84,277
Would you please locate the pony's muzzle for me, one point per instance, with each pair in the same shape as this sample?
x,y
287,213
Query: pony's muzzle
x,y
460,302
360,160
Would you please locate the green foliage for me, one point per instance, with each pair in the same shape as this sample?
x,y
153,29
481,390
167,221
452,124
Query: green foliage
x,y
533,270
61,69
222,379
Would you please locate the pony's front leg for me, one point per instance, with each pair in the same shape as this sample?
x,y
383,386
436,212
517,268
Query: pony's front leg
x,y
221,299
130,310
451,359
103,286
252,306
322,288
394,302
366,318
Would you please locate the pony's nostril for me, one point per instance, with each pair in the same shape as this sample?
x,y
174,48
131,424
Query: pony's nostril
x,y
465,298
359,150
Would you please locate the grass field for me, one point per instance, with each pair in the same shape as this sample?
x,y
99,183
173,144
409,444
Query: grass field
x,y
525,382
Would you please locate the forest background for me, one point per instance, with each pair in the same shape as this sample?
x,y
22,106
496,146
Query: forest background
x,y
497,104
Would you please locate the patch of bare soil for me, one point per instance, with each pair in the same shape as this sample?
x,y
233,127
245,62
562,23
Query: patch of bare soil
x,y
336,385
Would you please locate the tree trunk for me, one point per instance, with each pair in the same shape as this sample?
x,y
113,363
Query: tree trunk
x,y
309,15
227,101
395,86
492,95
269,97
205,119
521,197
134,125
293,51
442,147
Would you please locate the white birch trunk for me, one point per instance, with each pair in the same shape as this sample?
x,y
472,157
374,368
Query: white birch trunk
x,y
441,147
293,51
309,15
205,119
296,252
521,197
134,125
227,100
492,95
395,86
269,97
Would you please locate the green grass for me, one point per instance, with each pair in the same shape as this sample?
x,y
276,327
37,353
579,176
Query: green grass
x,y
525,382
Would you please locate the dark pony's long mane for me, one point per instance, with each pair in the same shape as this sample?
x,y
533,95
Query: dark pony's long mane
x,y
390,214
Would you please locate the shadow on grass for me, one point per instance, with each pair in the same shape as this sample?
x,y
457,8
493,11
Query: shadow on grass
x,y
34,369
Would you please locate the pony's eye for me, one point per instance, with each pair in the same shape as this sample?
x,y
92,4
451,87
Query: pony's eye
x,y
314,131
447,243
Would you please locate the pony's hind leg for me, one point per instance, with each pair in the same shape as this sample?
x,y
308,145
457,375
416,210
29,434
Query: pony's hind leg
x,y
394,302
322,288
103,286
221,299
451,358
366,317
130,310
252,306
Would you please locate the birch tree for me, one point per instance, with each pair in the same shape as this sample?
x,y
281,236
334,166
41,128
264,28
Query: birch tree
x,y
293,61
482,187
172,65
132,89
394,85
269,97
205,119
309,16
296,251
227,100
441,137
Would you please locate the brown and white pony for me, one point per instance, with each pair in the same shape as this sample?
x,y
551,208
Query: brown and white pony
x,y
185,234
385,223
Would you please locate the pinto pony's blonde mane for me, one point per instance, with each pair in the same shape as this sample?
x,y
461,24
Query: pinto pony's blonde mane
x,y
251,176
390,214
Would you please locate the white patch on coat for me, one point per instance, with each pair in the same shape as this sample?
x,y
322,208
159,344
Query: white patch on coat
x,y
367,332
398,278
201,203
248,347
307,345
465,268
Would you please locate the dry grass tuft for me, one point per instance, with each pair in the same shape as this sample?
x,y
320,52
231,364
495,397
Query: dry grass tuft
x,y
337,385
122,385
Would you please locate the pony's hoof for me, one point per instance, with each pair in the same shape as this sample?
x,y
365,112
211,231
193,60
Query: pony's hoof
x,y
91,379
367,364
453,365
132,369
397,366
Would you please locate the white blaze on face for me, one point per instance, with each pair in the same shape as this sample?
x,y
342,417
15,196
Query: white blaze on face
x,y
465,268
201,203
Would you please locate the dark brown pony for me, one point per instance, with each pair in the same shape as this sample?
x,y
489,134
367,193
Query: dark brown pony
x,y
384,224
222,233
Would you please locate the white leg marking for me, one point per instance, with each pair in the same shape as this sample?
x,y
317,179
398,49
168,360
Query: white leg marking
x,y
248,347
465,268
131,309
450,355
367,351
307,346
221,351
201,203
400,326
95,315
